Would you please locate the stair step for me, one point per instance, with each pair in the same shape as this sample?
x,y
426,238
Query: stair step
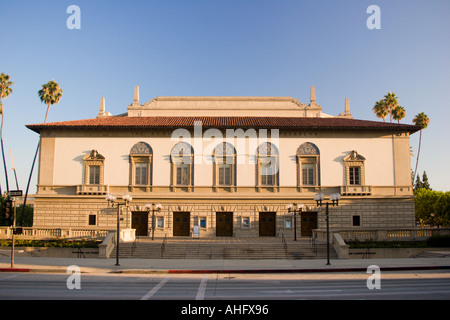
x,y
229,249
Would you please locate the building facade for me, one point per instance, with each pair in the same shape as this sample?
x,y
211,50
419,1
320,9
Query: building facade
x,y
224,166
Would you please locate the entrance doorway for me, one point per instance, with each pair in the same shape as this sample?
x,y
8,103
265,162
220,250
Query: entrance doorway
x,y
181,224
224,224
139,221
267,224
308,223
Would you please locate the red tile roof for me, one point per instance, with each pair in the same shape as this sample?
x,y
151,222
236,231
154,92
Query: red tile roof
x,y
123,122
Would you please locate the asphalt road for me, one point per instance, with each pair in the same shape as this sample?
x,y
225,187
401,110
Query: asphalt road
x,y
393,286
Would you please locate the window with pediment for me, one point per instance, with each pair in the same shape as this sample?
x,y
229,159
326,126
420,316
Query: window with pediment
x,y
224,165
141,155
354,169
94,168
308,160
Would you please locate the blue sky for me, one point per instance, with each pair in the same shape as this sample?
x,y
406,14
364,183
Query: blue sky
x,y
227,48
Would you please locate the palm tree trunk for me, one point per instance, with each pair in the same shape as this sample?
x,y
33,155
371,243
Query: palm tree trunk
x,y
46,114
4,166
31,172
417,160
28,185
3,151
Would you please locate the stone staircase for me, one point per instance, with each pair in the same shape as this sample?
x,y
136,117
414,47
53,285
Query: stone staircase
x,y
225,248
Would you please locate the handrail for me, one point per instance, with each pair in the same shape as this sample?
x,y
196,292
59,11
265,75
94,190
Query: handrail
x,y
314,245
134,245
163,245
283,240
366,254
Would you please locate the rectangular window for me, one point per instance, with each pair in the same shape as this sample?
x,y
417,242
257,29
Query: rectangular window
x,y
288,223
160,222
92,220
267,176
245,223
355,175
203,222
356,221
225,172
141,173
308,174
183,174
94,174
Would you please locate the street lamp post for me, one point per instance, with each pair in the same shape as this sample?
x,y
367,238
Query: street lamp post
x,y
154,207
295,208
334,197
112,202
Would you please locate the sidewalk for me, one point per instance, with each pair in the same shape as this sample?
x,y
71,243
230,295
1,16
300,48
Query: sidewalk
x,y
142,266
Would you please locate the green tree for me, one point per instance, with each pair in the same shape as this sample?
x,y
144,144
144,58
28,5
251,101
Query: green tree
x,y
391,102
422,120
50,94
380,110
432,207
398,113
418,185
5,91
425,183
422,184
389,106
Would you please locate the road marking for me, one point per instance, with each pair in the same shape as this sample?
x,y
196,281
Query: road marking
x,y
202,288
155,289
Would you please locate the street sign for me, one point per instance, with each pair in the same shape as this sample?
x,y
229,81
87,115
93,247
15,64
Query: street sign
x,y
15,193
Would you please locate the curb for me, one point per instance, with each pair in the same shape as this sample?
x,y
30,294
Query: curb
x,y
41,270
230,271
262,271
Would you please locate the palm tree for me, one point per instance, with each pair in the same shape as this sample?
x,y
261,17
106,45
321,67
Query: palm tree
x,y
5,91
50,94
398,113
380,109
422,120
391,101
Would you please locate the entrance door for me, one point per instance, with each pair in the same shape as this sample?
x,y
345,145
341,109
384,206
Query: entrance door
x,y
139,221
224,224
267,224
308,223
181,224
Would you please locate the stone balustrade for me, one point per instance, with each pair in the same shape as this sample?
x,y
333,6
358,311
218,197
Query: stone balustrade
x,y
51,233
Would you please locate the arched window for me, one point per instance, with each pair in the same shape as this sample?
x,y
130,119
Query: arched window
x,y
141,165
267,165
308,157
224,166
182,160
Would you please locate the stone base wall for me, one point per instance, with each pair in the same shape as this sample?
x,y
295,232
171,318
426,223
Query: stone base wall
x,y
75,212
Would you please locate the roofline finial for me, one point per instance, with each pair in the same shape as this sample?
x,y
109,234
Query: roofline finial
x,y
136,94
313,94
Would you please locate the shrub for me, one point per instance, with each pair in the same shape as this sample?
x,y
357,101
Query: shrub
x,y
439,241
56,243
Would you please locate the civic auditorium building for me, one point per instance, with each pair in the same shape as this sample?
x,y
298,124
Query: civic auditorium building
x,y
225,166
